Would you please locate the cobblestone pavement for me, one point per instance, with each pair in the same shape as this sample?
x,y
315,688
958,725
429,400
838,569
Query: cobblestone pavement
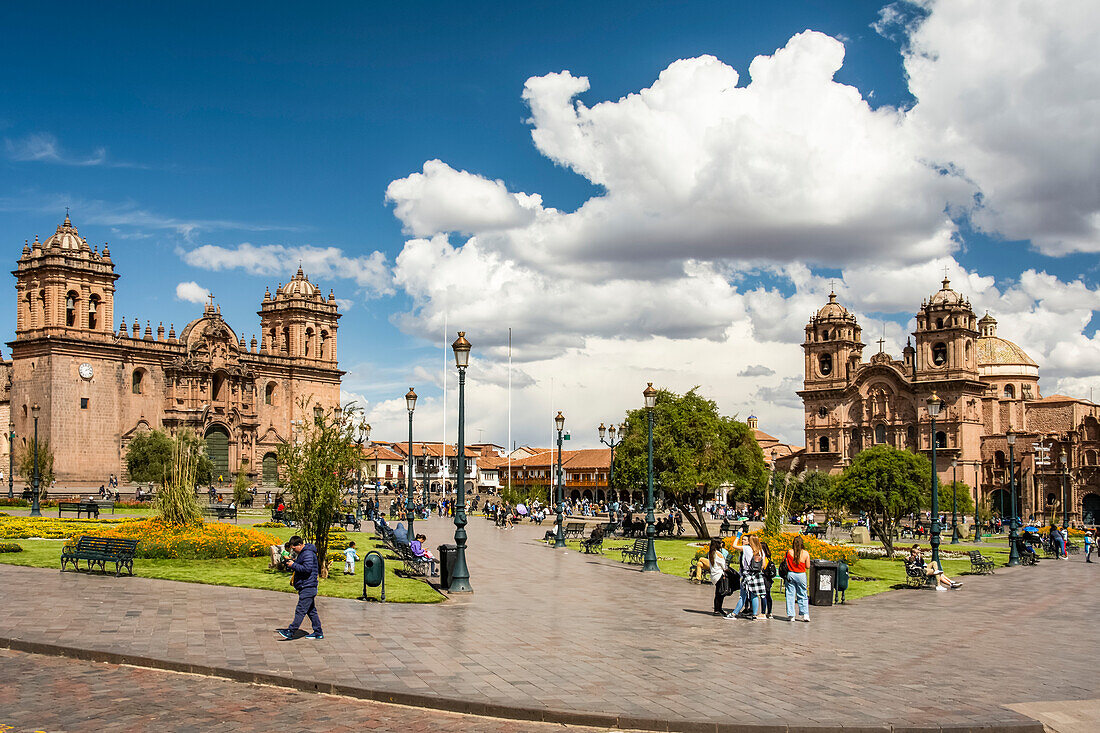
x,y
577,639
52,694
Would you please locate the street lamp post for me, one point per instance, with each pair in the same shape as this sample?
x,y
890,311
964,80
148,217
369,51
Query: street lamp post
x,y
559,538
35,510
650,564
977,494
611,444
1013,554
954,501
410,403
933,413
360,437
11,459
1065,493
460,578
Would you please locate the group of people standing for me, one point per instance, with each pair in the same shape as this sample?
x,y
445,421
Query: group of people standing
x,y
758,571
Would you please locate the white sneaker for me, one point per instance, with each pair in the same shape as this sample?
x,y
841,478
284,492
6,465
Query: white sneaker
x,y
941,587
804,618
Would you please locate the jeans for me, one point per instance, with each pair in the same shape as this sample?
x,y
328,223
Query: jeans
x,y
306,607
796,586
743,602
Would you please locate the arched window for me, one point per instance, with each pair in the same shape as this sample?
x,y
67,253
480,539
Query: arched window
x,y
911,436
271,340
286,340
939,323
880,434
941,439
999,459
309,341
218,391
1010,392
269,394
1090,457
939,353
966,350
137,382
70,309
825,364
823,444
857,441
93,312
324,344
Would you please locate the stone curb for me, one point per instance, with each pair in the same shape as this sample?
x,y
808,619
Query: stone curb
x,y
493,710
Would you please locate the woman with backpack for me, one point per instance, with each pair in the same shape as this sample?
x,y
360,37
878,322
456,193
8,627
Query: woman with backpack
x,y
717,558
752,578
769,578
795,564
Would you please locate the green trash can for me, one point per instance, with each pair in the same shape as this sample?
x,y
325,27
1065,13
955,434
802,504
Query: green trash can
x,y
822,581
841,582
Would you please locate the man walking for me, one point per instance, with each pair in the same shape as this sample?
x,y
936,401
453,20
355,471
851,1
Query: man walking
x,y
304,581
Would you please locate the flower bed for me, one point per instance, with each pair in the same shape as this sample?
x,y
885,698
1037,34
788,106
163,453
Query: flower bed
x,y
900,553
1073,531
270,525
10,547
158,539
781,542
53,528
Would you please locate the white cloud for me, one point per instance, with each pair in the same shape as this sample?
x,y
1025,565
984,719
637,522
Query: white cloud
x,y
371,272
756,370
43,147
191,292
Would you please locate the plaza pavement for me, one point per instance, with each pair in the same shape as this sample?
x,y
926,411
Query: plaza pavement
x,y
559,636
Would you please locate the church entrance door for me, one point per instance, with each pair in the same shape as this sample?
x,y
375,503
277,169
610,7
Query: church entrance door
x,y
1090,509
271,470
1001,503
217,448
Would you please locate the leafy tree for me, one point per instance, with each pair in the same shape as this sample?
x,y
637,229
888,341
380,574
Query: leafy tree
x,y
150,457
946,491
811,491
45,465
695,451
886,483
176,502
240,486
311,471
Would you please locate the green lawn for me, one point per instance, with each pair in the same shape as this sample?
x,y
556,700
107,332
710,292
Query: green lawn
x,y
249,572
869,577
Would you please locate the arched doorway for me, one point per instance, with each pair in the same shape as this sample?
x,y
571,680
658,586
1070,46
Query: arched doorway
x,y
1000,503
217,448
1090,509
271,470
574,495
587,494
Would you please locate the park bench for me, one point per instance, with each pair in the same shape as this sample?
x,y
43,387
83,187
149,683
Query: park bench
x,y
414,565
221,512
725,529
350,523
100,550
980,564
1073,548
86,507
574,530
915,577
105,505
635,553
817,530
285,516
594,544
610,527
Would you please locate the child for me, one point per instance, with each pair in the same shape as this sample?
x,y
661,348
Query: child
x,y
1088,545
350,556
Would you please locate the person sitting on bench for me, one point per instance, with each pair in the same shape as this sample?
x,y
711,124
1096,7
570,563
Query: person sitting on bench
x,y
418,549
931,569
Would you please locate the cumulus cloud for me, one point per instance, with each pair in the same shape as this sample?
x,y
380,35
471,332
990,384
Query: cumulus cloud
x,y
756,370
370,272
191,292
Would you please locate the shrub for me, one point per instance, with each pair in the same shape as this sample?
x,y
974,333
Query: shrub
x,y
10,547
269,525
1073,531
158,539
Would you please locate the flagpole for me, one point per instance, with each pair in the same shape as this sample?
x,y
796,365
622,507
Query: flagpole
x,y
508,448
443,446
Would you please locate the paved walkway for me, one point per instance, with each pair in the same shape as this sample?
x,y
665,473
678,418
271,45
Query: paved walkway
x,y
559,636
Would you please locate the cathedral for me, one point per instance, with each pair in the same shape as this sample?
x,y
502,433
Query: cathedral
x,y
987,389
93,388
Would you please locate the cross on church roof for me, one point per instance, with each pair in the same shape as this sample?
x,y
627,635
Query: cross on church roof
x,y
882,339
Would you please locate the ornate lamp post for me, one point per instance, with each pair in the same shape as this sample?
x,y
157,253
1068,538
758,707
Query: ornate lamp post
x,y
650,564
933,413
410,403
954,501
1065,492
977,495
559,538
460,578
1013,554
35,510
363,434
11,459
611,444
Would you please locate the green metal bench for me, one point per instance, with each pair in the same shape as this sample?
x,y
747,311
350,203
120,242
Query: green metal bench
x,y
100,551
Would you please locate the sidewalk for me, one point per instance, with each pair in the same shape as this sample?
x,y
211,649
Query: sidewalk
x,y
559,636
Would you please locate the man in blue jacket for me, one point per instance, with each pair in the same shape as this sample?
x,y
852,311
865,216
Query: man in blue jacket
x,y
305,582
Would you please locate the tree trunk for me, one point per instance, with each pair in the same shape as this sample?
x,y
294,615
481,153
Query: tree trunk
x,y
694,516
885,530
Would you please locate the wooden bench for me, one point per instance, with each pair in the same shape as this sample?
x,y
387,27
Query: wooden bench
x,y
594,544
636,553
818,531
105,505
221,512
574,530
86,507
350,523
980,564
414,565
725,529
99,551
916,578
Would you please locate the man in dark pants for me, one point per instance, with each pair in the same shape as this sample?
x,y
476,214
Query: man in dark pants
x,y
305,582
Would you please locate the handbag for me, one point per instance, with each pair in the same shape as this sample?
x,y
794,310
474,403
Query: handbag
x,y
733,578
784,568
722,587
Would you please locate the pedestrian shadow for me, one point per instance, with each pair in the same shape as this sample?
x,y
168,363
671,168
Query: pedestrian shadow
x,y
298,634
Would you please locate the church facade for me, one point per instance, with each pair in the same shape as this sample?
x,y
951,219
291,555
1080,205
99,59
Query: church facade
x,y
94,387
986,386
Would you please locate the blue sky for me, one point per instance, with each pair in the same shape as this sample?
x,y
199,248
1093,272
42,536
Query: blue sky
x,y
178,135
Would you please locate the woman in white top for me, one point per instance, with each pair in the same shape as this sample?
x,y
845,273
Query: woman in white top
x,y
717,558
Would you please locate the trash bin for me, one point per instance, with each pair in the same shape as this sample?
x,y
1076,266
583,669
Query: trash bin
x,y
448,554
822,582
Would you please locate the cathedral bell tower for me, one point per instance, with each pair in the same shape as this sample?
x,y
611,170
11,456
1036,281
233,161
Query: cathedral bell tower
x,y
299,322
946,337
832,346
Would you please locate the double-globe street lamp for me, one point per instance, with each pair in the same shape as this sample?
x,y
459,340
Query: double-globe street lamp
x,y
35,509
410,403
460,577
11,459
559,538
934,406
611,444
363,435
650,564
1065,492
954,501
1013,553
